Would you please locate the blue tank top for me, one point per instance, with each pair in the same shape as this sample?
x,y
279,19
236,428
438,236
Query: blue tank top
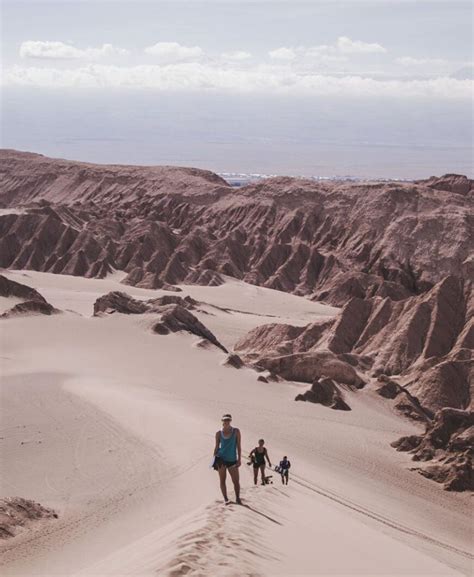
x,y
228,447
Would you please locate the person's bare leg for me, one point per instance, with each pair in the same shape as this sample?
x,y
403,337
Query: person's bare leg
x,y
255,475
234,475
262,471
222,476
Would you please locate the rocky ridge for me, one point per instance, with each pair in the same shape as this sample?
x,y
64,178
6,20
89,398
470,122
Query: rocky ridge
x,y
174,313
32,302
424,342
448,445
162,225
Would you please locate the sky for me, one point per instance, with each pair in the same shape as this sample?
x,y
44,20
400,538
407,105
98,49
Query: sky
x,y
373,89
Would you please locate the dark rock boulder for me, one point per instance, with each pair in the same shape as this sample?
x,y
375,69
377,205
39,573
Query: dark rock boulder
x,y
406,403
11,288
30,308
186,302
176,318
325,392
119,302
33,301
234,361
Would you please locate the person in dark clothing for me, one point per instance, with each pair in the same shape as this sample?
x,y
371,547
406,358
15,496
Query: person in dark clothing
x,y
258,456
284,469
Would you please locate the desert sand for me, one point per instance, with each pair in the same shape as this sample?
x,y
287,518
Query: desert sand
x,y
111,426
334,319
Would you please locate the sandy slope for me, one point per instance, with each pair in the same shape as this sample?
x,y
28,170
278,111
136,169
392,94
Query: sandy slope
x,y
112,426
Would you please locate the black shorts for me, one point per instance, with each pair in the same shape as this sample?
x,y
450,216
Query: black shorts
x,y
258,465
219,462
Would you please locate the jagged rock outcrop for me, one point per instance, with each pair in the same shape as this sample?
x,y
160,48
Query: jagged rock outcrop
x,y
233,361
448,444
405,403
163,225
121,302
426,342
177,318
17,514
32,301
186,302
325,392
11,288
174,310
30,308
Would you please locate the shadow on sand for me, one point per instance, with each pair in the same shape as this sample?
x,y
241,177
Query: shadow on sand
x,y
262,514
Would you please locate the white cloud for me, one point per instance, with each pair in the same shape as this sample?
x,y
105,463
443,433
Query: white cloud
x,y
48,50
348,46
336,52
409,61
433,67
283,53
197,76
169,52
236,56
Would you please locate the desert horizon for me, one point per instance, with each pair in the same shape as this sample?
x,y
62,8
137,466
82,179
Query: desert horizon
x,y
236,288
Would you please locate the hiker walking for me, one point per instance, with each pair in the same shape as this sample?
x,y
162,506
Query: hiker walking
x,y
227,456
284,468
258,456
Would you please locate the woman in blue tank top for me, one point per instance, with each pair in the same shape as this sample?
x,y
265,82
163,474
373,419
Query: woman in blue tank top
x,y
227,456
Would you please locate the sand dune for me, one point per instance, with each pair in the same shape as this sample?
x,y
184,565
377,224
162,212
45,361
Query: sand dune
x,y
112,426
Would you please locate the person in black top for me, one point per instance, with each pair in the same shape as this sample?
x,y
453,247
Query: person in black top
x,y
258,456
284,468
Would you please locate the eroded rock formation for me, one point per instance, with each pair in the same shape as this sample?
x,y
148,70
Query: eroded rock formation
x,y
425,342
325,392
16,514
177,318
32,302
163,225
448,445
174,313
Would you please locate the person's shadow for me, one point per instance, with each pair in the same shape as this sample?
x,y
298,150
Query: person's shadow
x,y
262,514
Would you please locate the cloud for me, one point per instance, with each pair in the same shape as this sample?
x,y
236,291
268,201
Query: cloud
x,y
464,73
326,52
170,52
410,62
433,67
236,56
198,76
283,53
48,50
348,46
